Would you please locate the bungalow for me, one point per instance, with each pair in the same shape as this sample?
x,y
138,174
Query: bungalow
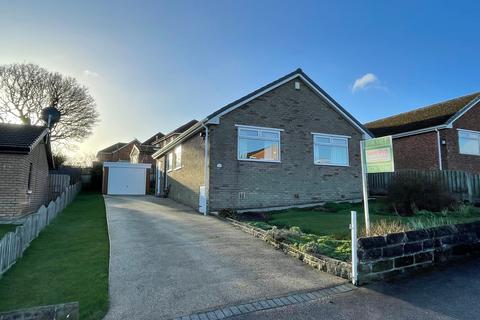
x,y
442,136
25,159
286,144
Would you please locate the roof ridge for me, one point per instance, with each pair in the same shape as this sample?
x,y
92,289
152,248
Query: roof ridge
x,y
427,106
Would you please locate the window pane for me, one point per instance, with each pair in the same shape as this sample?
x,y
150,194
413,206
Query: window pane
x,y
248,133
178,157
469,146
270,135
331,155
339,141
258,149
322,140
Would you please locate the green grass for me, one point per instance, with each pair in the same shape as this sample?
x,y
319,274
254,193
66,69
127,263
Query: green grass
x,y
6,228
67,262
334,219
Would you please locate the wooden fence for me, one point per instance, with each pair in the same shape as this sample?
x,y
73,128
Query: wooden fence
x,y
13,244
462,185
57,183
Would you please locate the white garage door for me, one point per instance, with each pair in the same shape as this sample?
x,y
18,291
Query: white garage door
x,y
126,178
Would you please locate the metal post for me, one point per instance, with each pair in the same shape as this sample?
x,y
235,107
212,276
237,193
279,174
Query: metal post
x,y
365,188
353,228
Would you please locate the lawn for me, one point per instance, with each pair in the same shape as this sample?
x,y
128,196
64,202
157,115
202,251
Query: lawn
x,y
67,262
6,228
334,219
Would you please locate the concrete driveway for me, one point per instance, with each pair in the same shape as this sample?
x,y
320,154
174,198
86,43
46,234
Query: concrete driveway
x,y
168,261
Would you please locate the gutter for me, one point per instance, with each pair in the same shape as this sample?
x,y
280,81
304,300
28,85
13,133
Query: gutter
x,y
419,131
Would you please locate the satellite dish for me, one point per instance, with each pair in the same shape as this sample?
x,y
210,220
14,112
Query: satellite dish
x,y
50,115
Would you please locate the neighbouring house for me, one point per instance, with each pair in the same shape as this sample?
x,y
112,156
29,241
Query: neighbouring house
x,y
25,160
442,136
286,144
117,152
169,137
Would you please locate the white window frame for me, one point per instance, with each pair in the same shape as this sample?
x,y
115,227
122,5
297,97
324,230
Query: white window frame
x,y
177,151
471,132
330,136
169,161
260,129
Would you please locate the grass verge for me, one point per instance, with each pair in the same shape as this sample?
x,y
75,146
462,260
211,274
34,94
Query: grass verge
x,y
67,262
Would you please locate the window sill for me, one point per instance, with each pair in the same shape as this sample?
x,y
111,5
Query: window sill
x,y
264,161
331,165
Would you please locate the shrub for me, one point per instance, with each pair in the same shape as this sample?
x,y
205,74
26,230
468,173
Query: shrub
x,y
284,234
228,213
408,193
383,227
261,225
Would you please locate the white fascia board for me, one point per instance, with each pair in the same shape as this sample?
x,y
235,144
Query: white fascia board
x,y
348,118
419,131
182,137
121,164
464,110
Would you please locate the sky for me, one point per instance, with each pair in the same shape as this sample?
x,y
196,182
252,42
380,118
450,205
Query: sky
x,y
154,65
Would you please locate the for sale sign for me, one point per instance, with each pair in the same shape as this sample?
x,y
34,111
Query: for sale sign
x,y
379,155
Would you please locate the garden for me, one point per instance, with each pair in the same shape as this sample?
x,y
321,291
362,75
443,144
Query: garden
x,y
324,230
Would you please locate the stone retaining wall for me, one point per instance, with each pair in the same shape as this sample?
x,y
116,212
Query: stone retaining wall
x,y
397,254
323,263
53,312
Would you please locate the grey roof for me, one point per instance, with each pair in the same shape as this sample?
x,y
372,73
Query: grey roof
x,y
113,147
154,138
299,72
17,138
421,118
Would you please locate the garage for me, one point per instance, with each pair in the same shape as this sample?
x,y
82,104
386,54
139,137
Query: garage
x,y
124,178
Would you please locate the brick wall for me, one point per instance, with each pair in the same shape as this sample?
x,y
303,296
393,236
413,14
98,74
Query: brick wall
x,y
185,182
453,159
416,152
14,172
397,254
296,180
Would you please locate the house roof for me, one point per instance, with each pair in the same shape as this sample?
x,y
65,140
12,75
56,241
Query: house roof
x,y
147,149
212,118
154,138
441,113
113,147
17,138
178,131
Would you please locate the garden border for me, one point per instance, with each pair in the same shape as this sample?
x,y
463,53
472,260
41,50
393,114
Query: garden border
x,y
323,263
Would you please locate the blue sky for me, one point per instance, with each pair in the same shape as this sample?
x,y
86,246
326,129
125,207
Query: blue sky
x,y
154,65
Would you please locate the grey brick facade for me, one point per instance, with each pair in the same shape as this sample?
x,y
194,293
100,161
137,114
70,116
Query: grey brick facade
x,y
296,180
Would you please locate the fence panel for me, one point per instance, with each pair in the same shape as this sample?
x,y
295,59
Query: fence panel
x,y
461,185
57,184
14,244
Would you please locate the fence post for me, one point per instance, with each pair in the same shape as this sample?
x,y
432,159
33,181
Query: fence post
x,y
353,228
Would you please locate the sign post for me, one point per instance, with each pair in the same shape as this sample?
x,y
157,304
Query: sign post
x,y
377,156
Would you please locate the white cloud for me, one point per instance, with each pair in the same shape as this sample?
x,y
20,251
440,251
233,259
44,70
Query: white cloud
x,y
366,81
90,73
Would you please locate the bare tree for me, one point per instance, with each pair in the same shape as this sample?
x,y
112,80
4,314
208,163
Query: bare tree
x,y
25,89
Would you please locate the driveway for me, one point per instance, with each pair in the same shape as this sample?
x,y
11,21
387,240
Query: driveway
x,y
168,261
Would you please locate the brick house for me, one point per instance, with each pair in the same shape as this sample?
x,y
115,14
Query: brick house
x,y
25,159
119,151
442,136
286,144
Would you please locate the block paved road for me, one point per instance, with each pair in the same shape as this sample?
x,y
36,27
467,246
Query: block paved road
x,y
168,261
452,292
